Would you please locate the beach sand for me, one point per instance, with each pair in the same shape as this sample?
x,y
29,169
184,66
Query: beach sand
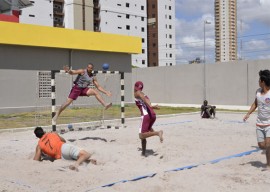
x,y
188,141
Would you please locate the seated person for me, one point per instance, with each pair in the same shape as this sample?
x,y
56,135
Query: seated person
x,y
208,111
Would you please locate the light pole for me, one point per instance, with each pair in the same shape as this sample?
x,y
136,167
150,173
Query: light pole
x,y
205,22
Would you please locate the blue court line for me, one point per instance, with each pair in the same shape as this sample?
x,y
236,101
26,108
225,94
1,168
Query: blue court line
x,y
233,121
180,122
181,168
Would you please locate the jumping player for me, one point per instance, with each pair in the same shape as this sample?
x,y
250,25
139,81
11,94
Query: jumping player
x,y
262,101
84,79
147,114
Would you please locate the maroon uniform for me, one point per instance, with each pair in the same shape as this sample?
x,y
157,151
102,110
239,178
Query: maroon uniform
x,y
147,114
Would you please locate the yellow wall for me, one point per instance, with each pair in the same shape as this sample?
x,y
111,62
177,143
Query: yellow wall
x,y
40,36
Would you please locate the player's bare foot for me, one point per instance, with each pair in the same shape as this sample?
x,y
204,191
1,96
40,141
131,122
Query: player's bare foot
x,y
160,134
93,161
73,168
108,106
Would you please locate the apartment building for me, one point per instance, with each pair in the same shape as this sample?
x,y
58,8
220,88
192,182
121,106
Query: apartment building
x,y
226,30
152,20
161,32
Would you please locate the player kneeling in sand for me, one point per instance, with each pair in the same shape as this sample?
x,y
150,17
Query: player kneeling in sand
x,y
148,116
55,146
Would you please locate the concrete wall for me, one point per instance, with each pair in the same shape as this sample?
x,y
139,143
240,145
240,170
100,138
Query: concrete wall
x,y
34,58
232,83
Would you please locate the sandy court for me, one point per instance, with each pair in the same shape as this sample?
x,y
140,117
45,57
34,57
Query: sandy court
x,y
188,140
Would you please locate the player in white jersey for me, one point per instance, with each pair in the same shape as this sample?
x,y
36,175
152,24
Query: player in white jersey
x,y
262,101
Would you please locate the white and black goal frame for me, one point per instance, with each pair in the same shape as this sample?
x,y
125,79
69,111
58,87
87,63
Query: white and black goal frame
x,y
122,82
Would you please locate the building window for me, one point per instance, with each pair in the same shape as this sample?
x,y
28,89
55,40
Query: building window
x,y
170,17
153,15
31,15
143,51
127,27
142,40
170,26
170,55
153,6
142,18
142,7
154,44
119,16
143,62
127,16
170,45
118,4
170,7
142,29
119,27
170,36
127,4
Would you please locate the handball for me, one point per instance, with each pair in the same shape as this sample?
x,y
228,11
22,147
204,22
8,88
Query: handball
x,y
105,66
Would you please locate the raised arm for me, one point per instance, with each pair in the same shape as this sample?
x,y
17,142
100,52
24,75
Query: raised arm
x,y
252,108
73,72
101,89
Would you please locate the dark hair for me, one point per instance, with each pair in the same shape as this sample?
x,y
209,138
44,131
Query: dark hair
x,y
265,77
91,64
39,132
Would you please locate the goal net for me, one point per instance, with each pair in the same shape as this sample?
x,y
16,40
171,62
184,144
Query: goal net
x,y
86,112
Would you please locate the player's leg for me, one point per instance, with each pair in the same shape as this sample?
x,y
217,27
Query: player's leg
x,y
160,133
93,92
261,138
144,142
267,152
82,156
267,146
145,131
73,95
62,108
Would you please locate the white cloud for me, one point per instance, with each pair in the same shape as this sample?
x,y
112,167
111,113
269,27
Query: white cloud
x,y
254,10
191,15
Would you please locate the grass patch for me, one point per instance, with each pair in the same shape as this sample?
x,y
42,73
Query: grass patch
x,y
76,114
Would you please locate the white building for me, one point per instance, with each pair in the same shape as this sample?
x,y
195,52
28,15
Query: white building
x,y
166,32
40,13
125,17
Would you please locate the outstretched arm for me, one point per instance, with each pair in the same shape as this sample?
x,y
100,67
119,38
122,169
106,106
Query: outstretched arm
x,y
73,72
101,89
37,156
252,108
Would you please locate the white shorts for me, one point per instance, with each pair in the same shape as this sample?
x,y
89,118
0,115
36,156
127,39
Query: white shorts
x,y
262,133
70,152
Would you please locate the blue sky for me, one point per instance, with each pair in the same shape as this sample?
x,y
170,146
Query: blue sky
x,y
253,29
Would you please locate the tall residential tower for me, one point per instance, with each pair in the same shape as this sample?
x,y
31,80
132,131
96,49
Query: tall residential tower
x,y
226,30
